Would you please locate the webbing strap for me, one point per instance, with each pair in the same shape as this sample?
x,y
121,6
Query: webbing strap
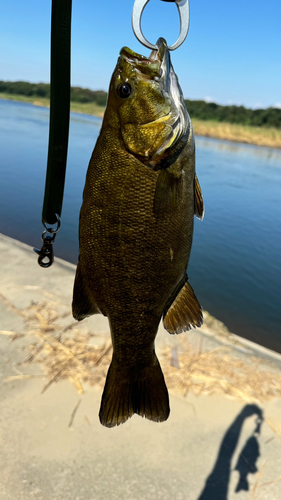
x,y
59,109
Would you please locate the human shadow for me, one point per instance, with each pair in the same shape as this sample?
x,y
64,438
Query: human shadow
x,y
216,486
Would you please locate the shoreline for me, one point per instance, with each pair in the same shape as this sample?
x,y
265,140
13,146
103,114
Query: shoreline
x,y
212,327
257,136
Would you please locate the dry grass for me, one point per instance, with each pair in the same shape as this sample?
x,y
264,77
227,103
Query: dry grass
x,y
64,352
219,372
68,352
260,136
87,108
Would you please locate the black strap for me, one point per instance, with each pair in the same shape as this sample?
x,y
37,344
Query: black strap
x,y
59,126
59,109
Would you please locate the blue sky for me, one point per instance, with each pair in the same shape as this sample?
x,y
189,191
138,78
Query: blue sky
x,y
232,54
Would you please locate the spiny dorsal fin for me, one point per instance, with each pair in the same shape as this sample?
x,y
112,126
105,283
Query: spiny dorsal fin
x,y
167,192
184,313
198,199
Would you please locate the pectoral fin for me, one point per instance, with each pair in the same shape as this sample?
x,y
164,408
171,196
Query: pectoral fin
x,y
198,199
168,192
82,306
184,312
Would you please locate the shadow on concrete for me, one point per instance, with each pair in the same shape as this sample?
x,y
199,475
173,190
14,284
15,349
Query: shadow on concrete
x,y
216,486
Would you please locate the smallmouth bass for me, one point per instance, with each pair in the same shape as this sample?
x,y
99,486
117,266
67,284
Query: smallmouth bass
x,y
136,226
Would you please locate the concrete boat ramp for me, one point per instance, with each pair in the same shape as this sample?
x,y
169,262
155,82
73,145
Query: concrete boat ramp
x,y
222,440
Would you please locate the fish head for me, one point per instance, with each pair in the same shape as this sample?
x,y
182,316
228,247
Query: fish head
x,y
149,103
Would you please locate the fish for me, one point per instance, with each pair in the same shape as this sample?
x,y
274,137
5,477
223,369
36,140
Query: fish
x,y
135,230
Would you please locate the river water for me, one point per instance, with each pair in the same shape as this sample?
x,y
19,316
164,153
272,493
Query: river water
x,y
235,265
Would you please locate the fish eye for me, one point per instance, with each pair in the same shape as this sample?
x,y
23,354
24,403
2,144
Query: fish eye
x,y
124,90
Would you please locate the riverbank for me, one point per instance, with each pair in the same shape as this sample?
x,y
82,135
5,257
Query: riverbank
x,y
259,136
224,398
76,107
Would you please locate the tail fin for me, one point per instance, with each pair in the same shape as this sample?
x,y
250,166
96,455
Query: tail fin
x,y
128,391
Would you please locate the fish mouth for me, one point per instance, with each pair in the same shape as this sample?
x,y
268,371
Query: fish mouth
x,y
162,54
158,67
179,118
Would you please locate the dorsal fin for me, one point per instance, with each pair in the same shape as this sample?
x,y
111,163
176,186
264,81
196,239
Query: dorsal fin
x,y
198,199
185,311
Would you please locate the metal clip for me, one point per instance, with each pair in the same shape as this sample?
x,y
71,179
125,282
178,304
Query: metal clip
x,y
46,251
183,9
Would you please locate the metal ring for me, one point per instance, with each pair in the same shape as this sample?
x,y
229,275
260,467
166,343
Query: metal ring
x,y
48,239
183,9
51,230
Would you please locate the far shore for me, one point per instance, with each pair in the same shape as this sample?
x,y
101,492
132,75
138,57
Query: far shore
x,y
259,136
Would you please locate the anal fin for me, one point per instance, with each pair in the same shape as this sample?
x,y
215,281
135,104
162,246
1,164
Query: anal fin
x,y
198,199
184,312
82,306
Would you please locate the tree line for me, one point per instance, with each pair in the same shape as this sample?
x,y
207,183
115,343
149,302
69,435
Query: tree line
x,y
270,117
27,89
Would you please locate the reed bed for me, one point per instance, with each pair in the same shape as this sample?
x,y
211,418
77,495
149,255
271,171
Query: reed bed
x,y
260,136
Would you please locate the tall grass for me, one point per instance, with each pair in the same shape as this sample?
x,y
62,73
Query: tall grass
x,y
260,136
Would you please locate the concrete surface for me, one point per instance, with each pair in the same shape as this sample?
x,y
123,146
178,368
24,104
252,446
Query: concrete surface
x,y
192,456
